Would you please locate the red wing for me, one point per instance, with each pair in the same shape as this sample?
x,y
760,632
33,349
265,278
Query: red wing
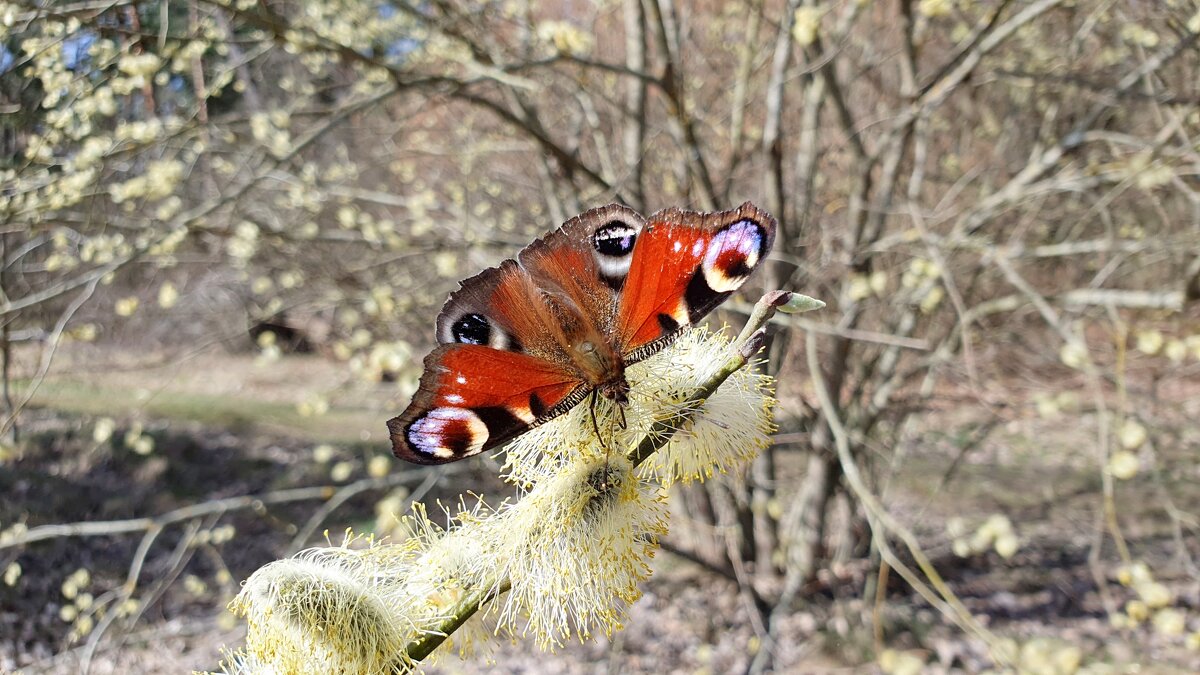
x,y
473,398
684,265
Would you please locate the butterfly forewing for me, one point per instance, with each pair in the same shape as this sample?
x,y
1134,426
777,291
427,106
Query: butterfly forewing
x,y
684,265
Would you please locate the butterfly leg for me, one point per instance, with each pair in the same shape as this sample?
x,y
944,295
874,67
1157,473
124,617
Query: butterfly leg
x,y
595,425
612,433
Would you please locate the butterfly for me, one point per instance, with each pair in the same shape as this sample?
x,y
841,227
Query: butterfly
x,y
524,342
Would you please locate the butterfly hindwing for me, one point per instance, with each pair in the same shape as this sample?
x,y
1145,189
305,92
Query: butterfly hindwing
x,y
585,262
684,265
473,398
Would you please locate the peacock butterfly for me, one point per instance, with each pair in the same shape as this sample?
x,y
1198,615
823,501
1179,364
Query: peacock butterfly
x,y
524,342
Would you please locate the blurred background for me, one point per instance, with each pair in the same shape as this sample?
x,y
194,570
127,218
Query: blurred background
x,y
227,228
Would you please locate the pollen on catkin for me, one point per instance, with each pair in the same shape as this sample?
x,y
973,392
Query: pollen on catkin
x,y
578,545
240,662
347,609
722,432
455,562
326,610
548,449
571,551
727,429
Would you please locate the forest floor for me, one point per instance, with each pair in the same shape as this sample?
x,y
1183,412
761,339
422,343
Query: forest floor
x,y
224,427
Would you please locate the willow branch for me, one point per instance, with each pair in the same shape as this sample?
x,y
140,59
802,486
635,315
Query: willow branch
x,y
882,523
742,350
103,528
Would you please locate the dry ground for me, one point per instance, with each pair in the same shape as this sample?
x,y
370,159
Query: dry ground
x,y
224,427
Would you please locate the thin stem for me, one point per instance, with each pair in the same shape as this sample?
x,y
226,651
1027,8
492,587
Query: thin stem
x,y
882,523
255,502
6,342
458,615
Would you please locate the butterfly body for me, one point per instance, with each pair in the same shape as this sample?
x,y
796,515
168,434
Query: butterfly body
x,y
524,342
